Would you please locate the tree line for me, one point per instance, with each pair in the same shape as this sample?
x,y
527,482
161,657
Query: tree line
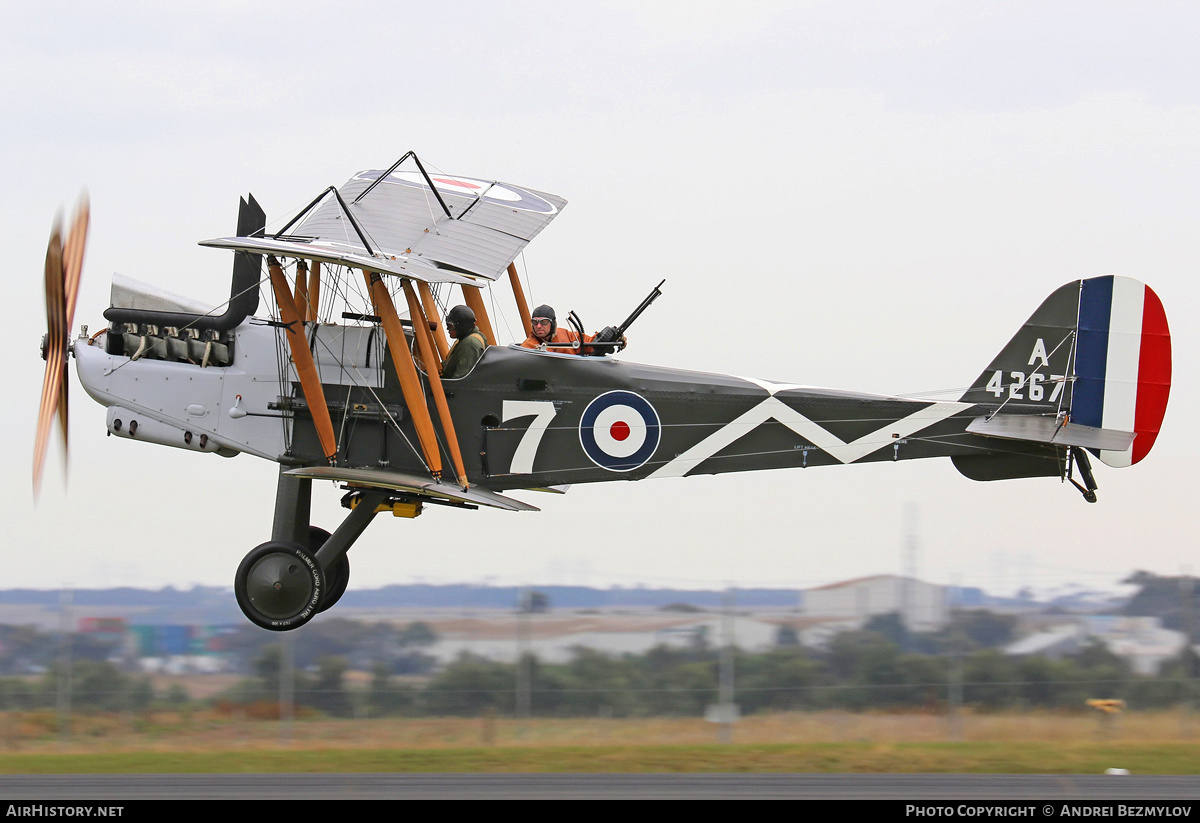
x,y
882,666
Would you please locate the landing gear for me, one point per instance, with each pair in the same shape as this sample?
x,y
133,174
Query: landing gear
x,y
303,570
279,585
337,576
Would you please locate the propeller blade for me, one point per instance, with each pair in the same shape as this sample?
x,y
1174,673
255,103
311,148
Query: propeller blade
x,y
72,270
55,351
73,258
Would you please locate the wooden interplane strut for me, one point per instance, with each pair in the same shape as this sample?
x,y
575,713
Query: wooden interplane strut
x,y
431,314
522,303
301,294
406,370
425,346
474,297
306,369
314,291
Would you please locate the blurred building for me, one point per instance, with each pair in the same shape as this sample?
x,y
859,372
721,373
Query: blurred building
x,y
176,649
1142,642
554,638
922,606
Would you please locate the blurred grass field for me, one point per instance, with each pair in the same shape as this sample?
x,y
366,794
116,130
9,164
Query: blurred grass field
x,y
221,742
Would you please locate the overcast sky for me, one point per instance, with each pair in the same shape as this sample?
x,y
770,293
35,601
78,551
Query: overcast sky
x,y
859,195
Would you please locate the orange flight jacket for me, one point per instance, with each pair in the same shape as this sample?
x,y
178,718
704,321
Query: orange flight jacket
x,y
561,336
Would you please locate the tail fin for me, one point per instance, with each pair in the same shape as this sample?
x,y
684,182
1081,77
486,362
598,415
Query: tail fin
x,y
1097,349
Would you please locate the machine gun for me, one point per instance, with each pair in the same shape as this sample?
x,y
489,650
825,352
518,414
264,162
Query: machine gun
x,y
611,338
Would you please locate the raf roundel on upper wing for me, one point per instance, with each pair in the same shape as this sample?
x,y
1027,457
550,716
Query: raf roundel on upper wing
x,y
500,193
619,431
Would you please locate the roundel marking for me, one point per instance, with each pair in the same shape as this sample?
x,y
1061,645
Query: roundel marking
x,y
619,431
508,195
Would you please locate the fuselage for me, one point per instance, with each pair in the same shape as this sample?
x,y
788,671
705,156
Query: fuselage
x,y
523,418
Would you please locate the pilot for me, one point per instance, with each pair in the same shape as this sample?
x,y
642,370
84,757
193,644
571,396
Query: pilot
x,y
546,334
469,343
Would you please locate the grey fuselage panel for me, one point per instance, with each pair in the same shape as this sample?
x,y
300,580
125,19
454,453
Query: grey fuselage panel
x,y
526,419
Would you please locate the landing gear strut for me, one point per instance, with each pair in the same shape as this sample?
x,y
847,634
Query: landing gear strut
x,y
303,570
337,576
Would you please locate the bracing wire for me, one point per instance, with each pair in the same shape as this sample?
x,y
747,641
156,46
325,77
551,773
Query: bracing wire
x,y
962,390
496,311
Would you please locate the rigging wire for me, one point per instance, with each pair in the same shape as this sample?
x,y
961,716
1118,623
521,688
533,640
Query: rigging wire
x,y
363,382
1072,363
496,311
1012,391
282,359
936,440
528,278
428,206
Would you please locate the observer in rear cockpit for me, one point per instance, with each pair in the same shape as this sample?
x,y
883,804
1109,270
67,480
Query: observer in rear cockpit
x,y
469,343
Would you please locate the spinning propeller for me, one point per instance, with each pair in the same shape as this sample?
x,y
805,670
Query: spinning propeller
x,y
64,262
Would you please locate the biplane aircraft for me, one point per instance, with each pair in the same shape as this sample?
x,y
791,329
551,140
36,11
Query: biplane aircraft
x,y
339,381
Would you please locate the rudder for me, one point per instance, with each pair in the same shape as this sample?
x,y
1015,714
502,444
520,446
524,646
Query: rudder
x,y
1123,369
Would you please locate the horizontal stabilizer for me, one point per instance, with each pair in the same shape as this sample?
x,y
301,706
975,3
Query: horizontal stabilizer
x,y
412,484
1034,428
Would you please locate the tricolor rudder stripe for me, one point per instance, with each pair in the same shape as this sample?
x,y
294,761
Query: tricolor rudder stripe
x,y
1123,363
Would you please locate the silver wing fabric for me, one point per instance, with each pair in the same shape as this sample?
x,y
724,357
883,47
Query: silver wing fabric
x,y
481,229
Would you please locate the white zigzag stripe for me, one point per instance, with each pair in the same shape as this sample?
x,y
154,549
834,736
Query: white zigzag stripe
x,y
774,408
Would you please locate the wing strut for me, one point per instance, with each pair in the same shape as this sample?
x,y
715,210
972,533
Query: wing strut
x,y
306,369
406,370
424,174
522,303
431,313
474,297
282,233
314,291
429,355
301,294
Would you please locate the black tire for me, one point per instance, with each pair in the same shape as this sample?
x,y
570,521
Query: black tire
x,y
279,586
337,576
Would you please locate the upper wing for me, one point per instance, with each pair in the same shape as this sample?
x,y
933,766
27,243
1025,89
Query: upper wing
x,y
482,228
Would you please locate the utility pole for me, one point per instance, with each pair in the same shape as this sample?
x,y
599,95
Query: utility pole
x,y
725,712
1186,590
287,687
64,665
955,696
523,695
726,690
909,580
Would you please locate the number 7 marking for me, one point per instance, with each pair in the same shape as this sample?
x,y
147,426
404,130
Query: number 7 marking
x,y
543,412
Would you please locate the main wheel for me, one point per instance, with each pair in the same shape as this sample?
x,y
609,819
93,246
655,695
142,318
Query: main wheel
x,y
337,576
279,586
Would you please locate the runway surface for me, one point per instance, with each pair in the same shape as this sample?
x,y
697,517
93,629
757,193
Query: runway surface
x,y
929,787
